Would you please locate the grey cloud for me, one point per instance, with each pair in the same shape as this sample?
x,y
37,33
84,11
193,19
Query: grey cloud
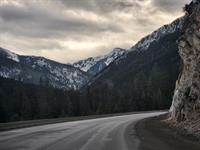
x,y
43,44
47,24
144,22
35,22
101,6
106,6
79,4
169,5
114,8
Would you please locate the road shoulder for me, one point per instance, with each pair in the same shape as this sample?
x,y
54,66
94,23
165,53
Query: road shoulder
x,y
154,134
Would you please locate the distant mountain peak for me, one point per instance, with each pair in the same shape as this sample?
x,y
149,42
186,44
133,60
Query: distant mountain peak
x,y
10,55
39,70
145,42
94,65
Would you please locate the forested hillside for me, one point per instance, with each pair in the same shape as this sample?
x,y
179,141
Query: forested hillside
x,y
146,85
21,101
144,80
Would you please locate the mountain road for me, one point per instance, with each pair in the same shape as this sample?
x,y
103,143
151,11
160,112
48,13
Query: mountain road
x,y
109,133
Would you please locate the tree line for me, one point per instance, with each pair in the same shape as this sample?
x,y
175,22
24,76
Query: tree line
x,y
146,91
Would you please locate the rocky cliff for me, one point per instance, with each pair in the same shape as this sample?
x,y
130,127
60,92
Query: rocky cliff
x,y
185,109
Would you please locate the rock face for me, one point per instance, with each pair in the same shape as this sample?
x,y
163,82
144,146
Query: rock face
x,y
185,109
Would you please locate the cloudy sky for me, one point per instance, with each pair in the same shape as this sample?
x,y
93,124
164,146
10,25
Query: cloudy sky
x,y
70,30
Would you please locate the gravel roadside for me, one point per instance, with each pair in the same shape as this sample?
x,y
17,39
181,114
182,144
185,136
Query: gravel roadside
x,y
154,134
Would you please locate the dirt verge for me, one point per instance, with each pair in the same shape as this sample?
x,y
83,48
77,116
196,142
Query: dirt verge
x,y
155,134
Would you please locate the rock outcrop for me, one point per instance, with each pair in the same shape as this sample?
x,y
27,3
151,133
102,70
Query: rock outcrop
x,y
185,109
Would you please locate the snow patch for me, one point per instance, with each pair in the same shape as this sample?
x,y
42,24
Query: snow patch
x,y
86,65
41,62
11,55
156,35
9,72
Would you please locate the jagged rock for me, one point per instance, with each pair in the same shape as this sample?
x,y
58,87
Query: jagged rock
x,y
185,109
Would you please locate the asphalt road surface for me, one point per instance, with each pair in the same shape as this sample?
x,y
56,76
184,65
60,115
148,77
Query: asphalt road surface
x,y
111,133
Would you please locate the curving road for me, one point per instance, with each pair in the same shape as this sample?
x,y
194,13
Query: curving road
x,y
111,133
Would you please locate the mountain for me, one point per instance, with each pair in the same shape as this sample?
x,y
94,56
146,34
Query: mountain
x,y
95,65
39,70
144,78
165,30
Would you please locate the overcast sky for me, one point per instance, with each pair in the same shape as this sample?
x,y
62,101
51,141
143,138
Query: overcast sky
x,y
70,30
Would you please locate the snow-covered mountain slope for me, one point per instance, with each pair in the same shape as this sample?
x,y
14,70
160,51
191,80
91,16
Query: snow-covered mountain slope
x,y
39,70
8,54
148,50
94,65
145,42
150,67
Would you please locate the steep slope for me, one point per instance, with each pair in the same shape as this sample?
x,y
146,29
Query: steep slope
x,y
145,43
144,78
185,109
94,65
39,70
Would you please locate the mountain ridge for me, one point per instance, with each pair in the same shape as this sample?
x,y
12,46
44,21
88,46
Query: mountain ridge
x,y
91,68
148,73
94,65
145,42
40,70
